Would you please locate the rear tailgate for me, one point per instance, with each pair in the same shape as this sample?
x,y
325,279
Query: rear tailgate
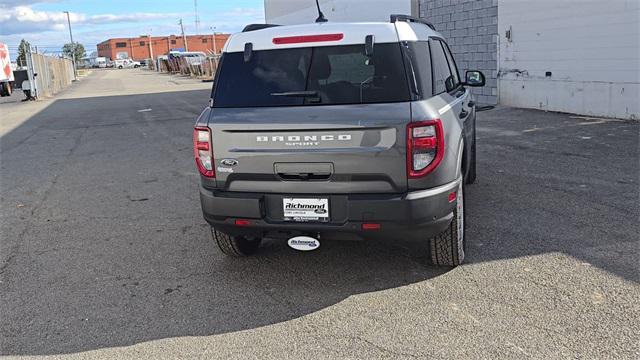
x,y
311,149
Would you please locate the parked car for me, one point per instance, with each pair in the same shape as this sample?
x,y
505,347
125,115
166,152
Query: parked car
x,y
338,131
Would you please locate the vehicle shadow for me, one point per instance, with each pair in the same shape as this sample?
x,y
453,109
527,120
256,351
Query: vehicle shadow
x,y
104,244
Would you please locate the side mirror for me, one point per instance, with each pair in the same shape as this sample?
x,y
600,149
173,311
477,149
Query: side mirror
x,y
474,78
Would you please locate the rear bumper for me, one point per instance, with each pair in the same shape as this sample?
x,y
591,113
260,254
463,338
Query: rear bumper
x,y
415,215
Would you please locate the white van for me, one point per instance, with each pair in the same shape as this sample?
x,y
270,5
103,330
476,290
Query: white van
x,y
126,63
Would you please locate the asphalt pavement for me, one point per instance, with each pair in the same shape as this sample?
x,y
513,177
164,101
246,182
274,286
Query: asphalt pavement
x,y
16,96
104,252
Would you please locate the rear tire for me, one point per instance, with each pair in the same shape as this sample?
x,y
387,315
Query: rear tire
x,y
447,248
6,89
235,246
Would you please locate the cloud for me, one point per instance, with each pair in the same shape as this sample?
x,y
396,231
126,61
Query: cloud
x,y
234,19
135,17
25,20
48,29
14,3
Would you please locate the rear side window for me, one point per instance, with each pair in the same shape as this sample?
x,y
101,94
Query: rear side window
x,y
441,71
419,67
330,75
452,63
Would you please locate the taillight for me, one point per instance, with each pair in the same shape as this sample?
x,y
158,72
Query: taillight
x,y
425,147
203,151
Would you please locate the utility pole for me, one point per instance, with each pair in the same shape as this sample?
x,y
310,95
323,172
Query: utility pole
x,y
73,48
215,52
213,38
197,19
151,49
184,37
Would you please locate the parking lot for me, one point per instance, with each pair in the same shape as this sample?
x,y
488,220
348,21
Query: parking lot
x,y
105,253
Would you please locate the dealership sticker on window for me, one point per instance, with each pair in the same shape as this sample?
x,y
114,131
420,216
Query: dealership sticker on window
x,y
306,209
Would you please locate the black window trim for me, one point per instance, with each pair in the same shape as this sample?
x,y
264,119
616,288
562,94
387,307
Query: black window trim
x,y
413,86
446,48
433,74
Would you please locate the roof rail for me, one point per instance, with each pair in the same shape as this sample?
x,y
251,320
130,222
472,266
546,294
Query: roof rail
x,y
408,18
254,27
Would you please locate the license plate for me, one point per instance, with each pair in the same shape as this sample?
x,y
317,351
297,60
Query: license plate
x,y
305,209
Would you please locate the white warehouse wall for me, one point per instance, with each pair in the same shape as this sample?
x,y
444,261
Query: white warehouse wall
x,y
290,12
591,48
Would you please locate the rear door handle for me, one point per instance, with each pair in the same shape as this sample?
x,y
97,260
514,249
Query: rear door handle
x,y
304,176
303,171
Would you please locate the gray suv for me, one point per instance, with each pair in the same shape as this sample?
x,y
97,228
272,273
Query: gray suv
x,y
338,131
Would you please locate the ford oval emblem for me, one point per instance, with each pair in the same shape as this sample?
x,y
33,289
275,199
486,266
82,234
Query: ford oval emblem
x,y
229,162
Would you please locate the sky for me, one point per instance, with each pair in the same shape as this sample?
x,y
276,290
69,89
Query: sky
x,y
43,23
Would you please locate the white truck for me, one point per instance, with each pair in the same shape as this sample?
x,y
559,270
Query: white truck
x,y
98,62
126,63
6,72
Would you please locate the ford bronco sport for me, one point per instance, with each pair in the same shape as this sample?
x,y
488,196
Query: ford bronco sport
x,y
338,131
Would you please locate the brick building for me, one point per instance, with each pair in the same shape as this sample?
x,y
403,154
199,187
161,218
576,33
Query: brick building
x,y
138,48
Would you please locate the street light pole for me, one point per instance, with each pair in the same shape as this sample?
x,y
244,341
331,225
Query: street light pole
x,y
184,37
213,38
73,48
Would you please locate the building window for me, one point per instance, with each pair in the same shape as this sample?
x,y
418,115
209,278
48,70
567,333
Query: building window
x,y
141,43
121,44
173,42
204,41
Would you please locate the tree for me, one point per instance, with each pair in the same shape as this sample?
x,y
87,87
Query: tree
x,y
70,48
22,52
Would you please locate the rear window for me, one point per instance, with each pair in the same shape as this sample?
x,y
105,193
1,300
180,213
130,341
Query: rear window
x,y
328,75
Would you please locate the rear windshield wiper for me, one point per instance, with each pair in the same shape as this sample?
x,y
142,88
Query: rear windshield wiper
x,y
297,94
